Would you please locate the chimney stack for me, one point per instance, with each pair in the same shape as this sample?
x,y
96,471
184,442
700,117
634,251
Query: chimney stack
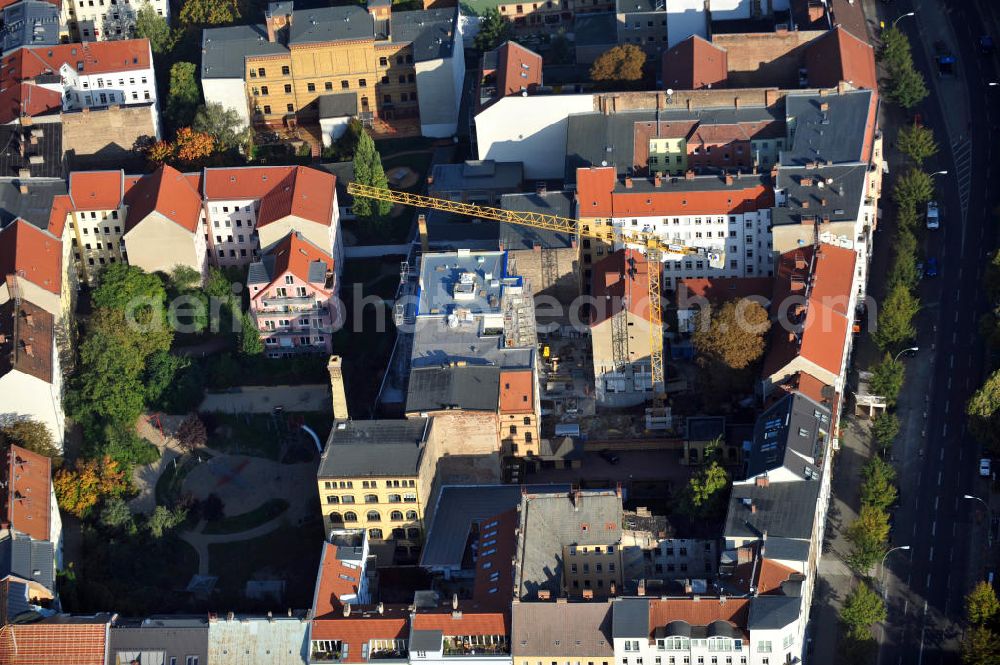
x,y
336,368
763,481
454,601
347,610
628,183
422,230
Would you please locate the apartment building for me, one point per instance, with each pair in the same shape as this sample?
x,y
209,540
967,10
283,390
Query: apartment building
x,y
620,329
82,640
519,413
161,639
293,298
509,69
388,65
93,20
369,478
96,220
574,633
534,17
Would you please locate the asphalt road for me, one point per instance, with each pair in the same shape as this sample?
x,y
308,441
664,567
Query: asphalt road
x,y
946,533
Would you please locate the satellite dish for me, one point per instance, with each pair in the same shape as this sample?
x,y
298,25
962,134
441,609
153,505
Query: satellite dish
x,y
670,91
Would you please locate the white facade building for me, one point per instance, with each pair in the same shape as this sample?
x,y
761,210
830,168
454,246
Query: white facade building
x,y
92,20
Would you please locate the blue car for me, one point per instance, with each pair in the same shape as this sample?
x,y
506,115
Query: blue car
x,y
931,267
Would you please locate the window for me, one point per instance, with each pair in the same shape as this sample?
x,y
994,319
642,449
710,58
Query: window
x,y
396,516
345,85
373,516
285,71
350,516
788,641
288,88
413,533
371,498
347,498
395,498
328,85
190,660
333,499
267,109
263,91
375,534
411,514
387,99
764,646
290,108
383,62
311,87
260,72
362,83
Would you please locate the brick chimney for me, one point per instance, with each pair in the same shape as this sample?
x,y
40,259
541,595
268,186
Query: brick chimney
x,y
380,10
277,18
336,368
763,481
544,594
628,183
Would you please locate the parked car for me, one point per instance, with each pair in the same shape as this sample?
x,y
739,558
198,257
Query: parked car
x,y
945,60
933,216
984,467
986,46
931,267
610,457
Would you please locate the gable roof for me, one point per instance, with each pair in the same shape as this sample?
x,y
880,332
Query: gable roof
x,y
695,63
373,448
494,579
518,68
620,280
462,623
840,56
791,434
25,504
335,580
464,387
58,640
102,57
363,624
517,391
562,629
96,190
305,193
25,99
27,334
31,253
293,255
168,192
27,558
701,612
721,289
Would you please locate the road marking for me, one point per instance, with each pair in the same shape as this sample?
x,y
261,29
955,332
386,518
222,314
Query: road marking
x,y
928,581
951,359
949,382
933,532
914,529
954,337
956,317
944,428
937,498
947,405
939,479
930,557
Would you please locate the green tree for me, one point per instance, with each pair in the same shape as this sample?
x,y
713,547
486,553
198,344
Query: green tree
x,y
983,410
913,189
705,495
868,535
895,319
115,514
907,216
619,64
916,142
494,30
124,288
732,334
152,26
981,604
123,445
560,51
163,520
368,171
862,609
887,378
895,48
31,435
885,429
904,265
250,342
878,488
222,124
209,12
184,93
907,87
980,647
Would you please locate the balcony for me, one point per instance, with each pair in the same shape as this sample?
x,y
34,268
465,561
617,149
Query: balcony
x,y
289,304
498,646
397,653
324,656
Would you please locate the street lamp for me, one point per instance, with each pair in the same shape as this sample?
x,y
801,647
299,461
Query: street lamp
x,y
989,527
914,349
902,17
945,172
884,586
993,84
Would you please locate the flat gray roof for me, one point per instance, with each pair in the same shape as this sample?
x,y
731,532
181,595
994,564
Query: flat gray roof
x,y
373,448
338,105
464,279
836,134
461,506
30,23
835,192
630,618
224,50
469,388
784,510
331,24
477,175
517,236
431,31
436,344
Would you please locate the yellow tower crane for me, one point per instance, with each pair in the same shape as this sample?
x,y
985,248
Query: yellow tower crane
x,y
655,247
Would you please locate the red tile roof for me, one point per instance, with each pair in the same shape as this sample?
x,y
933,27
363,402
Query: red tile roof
x,y
96,190
463,622
243,183
25,504
361,627
828,317
61,206
693,64
54,642
96,58
517,391
32,253
335,580
518,69
293,254
771,575
166,191
305,193
27,99
759,573
721,289
494,581
620,279
840,56
599,195
700,612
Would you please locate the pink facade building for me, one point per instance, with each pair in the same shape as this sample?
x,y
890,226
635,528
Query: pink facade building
x,y
293,297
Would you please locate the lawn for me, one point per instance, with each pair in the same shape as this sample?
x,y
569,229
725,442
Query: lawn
x,y
262,514
168,485
290,553
264,435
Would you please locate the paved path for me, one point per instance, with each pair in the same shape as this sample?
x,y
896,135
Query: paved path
x,y
145,477
263,399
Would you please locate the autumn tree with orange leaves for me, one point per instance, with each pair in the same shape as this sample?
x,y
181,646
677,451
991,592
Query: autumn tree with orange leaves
x,y
192,146
80,488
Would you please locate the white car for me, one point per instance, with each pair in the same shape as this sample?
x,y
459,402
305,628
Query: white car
x,y
933,216
984,467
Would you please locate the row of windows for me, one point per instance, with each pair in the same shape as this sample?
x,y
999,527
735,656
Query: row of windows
x,y
303,341
394,516
598,568
93,215
239,223
261,72
369,498
686,660
366,484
